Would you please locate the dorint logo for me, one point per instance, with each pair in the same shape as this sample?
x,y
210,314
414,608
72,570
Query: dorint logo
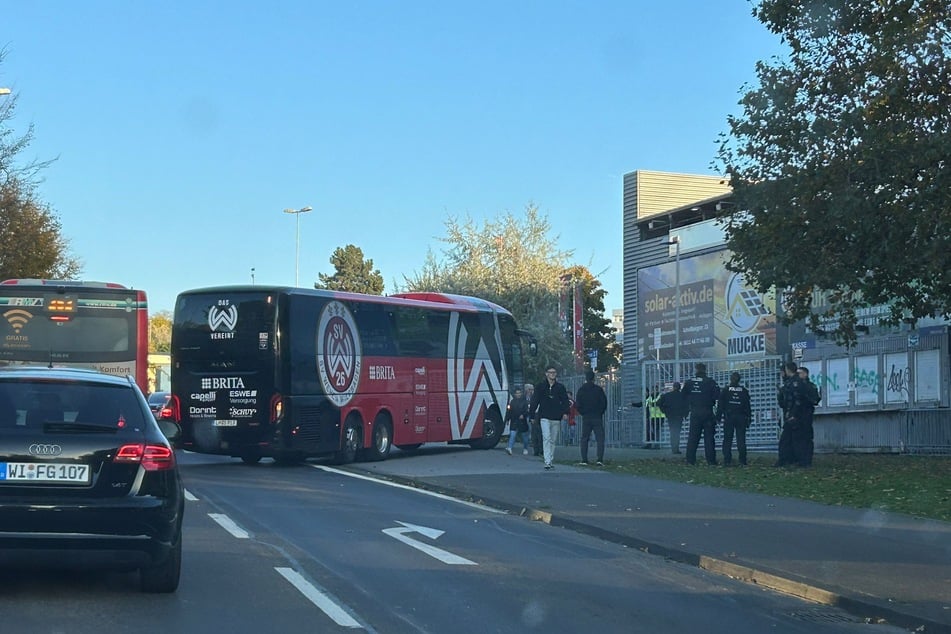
x,y
339,353
223,318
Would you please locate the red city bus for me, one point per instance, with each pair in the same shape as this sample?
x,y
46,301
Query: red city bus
x,y
292,373
98,325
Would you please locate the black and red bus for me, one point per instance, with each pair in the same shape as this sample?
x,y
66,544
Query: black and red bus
x,y
292,373
103,326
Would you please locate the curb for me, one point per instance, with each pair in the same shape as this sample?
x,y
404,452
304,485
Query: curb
x,y
868,609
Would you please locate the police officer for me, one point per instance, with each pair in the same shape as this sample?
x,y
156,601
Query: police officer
x,y
702,393
734,410
792,399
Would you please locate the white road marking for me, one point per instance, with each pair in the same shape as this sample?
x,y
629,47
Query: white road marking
x,y
228,524
189,496
327,605
407,488
432,533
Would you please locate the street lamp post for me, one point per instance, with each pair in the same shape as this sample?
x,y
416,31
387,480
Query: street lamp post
x,y
675,241
297,212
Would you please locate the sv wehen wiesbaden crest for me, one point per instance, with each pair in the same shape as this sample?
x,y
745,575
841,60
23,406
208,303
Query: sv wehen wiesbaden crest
x,y
223,318
339,353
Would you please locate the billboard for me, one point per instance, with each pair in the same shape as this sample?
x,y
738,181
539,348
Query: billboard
x,y
720,315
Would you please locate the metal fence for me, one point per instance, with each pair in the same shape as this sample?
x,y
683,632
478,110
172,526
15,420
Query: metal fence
x,y
760,376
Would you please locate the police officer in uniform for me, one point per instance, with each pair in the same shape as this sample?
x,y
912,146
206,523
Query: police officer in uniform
x,y
734,410
701,393
792,399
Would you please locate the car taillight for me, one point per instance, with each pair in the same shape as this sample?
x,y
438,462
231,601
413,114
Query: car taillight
x,y
165,412
151,457
174,409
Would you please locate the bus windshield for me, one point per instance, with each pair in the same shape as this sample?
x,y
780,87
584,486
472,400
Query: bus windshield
x,y
93,325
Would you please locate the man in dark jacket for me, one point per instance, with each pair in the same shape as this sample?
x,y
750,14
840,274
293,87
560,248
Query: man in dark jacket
x,y
591,403
675,408
734,410
793,400
805,442
702,393
550,405
517,418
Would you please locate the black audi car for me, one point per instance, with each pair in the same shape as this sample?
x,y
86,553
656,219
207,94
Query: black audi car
x,y
88,477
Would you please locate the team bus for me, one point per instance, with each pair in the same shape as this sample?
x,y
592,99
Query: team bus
x,y
291,373
98,325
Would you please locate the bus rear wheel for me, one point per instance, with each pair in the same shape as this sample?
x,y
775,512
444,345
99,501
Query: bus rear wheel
x,y
379,449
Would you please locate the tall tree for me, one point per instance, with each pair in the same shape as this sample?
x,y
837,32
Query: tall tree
x,y
598,331
840,162
31,242
514,261
353,273
160,331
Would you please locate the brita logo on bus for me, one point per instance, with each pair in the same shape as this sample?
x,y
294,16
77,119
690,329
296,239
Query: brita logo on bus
x,y
339,353
223,383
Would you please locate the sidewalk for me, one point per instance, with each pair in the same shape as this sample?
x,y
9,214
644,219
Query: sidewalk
x,y
873,564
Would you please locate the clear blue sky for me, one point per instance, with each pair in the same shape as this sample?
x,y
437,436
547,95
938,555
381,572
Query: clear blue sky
x,y
183,129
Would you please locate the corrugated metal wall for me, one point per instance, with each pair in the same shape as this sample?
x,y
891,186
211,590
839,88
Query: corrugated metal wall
x,y
658,192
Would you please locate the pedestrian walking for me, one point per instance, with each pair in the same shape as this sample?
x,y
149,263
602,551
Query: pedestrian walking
x,y
733,410
591,403
534,426
517,418
550,405
675,408
792,398
701,393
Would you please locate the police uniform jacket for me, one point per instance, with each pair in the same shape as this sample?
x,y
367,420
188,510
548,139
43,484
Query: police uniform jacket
x,y
734,404
702,394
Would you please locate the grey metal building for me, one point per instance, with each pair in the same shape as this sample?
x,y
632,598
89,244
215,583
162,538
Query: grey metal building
x,y
889,393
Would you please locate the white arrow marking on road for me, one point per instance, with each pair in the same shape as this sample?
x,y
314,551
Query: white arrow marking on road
x,y
432,533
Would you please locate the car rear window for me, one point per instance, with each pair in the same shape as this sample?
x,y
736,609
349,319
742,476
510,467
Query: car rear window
x,y
32,404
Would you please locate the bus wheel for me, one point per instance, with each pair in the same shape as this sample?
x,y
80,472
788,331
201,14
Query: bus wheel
x,y
251,457
382,438
491,431
352,442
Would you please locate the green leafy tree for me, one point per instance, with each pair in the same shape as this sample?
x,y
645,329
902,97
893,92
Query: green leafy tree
x,y
513,261
160,332
598,331
840,162
353,273
31,241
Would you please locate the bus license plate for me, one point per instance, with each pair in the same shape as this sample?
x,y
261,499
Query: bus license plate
x,y
44,472
226,423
